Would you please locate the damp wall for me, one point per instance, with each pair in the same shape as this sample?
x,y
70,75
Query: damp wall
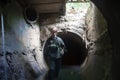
x,y
98,62
24,59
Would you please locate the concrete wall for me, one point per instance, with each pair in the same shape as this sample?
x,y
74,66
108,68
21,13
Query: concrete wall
x,y
98,62
24,60
17,30
111,12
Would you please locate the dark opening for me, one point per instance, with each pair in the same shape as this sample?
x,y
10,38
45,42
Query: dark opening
x,y
31,14
76,51
4,2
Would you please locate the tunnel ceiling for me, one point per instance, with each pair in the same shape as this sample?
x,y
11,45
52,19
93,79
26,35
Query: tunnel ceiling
x,y
44,6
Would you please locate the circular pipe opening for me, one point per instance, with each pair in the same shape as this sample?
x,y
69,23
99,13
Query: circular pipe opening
x,y
31,15
76,50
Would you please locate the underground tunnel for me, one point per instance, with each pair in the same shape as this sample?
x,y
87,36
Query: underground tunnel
x,y
76,51
98,60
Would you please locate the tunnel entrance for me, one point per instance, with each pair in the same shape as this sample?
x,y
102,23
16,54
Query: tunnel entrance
x,y
76,50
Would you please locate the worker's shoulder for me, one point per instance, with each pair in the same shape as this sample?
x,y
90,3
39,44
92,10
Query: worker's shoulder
x,y
59,38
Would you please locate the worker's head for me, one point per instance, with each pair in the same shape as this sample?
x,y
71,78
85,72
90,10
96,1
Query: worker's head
x,y
54,31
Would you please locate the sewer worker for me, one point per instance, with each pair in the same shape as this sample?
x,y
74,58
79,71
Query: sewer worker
x,y
54,52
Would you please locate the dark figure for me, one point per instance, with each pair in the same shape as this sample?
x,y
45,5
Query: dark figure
x,y
54,51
